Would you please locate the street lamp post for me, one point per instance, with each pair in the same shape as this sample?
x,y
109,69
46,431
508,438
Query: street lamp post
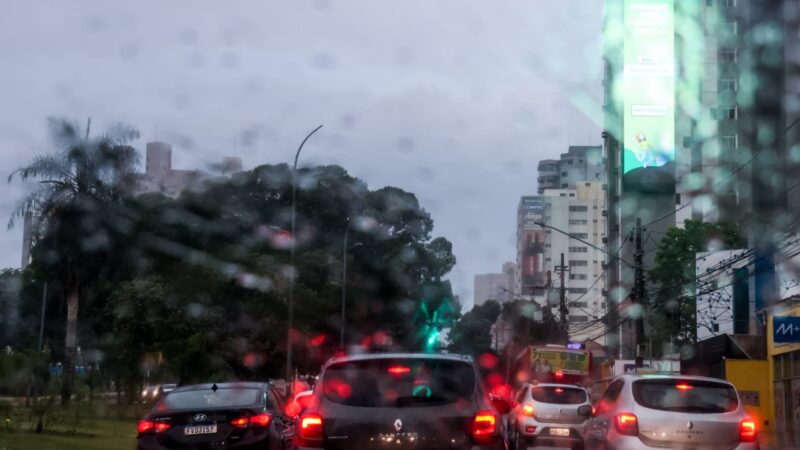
x,y
289,371
344,282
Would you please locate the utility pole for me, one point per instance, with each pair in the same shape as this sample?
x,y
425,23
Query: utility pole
x,y
562,299
639,294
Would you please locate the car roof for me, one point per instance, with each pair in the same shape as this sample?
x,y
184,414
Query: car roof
x,y
634,377
561,385
374,356
232,385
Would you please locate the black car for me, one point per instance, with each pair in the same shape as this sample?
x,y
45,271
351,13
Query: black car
x,y
240,416
401,401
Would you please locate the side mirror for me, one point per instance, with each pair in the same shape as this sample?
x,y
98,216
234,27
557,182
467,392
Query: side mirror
x,y
502,406
585,411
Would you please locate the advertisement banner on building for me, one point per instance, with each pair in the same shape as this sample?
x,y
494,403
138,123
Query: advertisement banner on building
x,y
785,329
649,90
565,361
533,271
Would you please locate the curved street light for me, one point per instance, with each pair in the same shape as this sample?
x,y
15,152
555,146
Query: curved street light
x,y
289,371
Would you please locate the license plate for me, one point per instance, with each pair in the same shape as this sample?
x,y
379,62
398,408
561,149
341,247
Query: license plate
x,y
559,431
200,429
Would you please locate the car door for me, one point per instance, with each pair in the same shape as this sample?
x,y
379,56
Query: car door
x,y
597,427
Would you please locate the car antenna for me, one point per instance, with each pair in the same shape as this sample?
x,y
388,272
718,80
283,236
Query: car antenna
x,y
214,387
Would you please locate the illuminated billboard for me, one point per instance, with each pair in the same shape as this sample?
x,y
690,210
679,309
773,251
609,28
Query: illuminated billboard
x,y
648,87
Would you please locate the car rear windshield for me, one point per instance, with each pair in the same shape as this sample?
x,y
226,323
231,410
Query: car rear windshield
x,y
398,382
559,395
691,396
207,398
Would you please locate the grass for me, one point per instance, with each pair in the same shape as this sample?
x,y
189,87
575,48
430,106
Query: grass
x,y
100,427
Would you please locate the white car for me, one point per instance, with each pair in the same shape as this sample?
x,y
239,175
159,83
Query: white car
x,y
670,411
548,415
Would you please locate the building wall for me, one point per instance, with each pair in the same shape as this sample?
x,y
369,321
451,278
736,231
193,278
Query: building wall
x,y
715,292
579,164
579,213
530,273
784,374
751,380
491,286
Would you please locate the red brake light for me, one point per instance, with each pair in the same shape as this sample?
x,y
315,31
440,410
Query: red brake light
x,y
684,387
627,424
145,426
261,420
241,422
748,432
559,375
311,427
399,370
484,426
559,391
148,426
528,410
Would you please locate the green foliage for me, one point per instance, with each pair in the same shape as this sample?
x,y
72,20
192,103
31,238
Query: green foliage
x,y
671,309
194,288
531,324
472,333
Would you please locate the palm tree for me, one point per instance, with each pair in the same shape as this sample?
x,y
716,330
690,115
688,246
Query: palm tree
x,y
79,186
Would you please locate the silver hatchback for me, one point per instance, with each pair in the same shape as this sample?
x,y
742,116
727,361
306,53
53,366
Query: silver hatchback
x,y
670,411
549,415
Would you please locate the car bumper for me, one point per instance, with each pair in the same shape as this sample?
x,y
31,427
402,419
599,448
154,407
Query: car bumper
x,y
634,443
542,437
153,444
493,446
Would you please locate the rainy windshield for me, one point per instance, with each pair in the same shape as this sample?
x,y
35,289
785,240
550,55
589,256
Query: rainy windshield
x,y
410,382
552,192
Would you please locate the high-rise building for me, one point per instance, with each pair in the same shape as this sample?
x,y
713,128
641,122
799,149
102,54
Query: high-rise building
x,y
159,176
696,125
491,286
580,163
531,276
575,228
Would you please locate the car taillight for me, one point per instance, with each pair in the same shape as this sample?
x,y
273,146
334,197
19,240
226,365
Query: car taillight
x,y
261,420
484,426
528,410
311,427
148,426
145,426
241,422
627,424
748,431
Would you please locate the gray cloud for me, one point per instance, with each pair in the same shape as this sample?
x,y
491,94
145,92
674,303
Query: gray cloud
x,y
453,100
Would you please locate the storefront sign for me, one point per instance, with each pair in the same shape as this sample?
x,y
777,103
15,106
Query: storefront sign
x,y
785,329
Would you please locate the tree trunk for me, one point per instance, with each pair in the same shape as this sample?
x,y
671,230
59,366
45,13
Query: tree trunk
x,y
70,341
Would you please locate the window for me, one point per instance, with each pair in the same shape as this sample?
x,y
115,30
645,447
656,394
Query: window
x,y
730,113
578,249
730,3
580,235
729,142
578,208
578,304
374,386
578,263
559,395
715,327
578,276
577,290
578,319
610,396
728,85
697,397
728,55
563,174
730,27
569,161
578,222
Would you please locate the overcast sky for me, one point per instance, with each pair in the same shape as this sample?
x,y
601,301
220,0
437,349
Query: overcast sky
x,y
454,100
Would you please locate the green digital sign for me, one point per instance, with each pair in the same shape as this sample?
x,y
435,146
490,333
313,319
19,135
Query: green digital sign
x,y
648,84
